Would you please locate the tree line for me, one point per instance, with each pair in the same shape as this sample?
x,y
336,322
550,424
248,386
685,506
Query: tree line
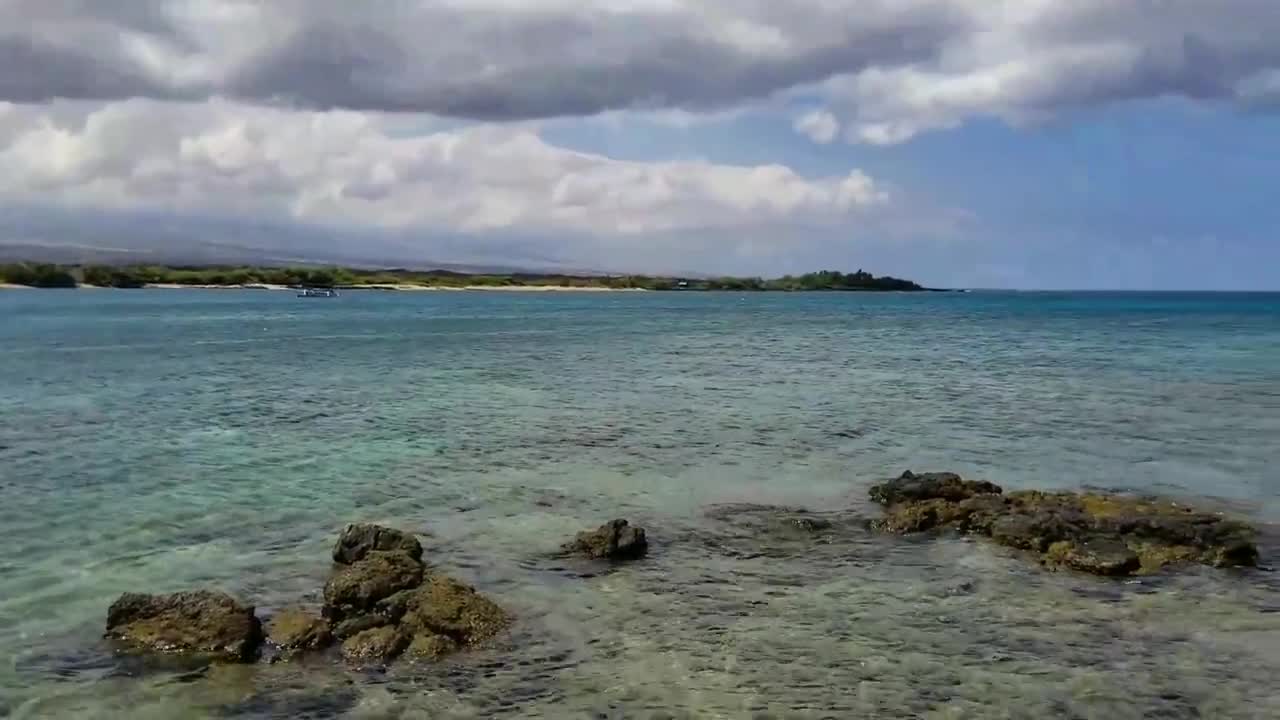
x,y
136,276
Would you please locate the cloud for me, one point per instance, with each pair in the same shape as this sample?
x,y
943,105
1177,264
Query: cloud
x,y
819,126
342,168
1039,58
478,59
887,69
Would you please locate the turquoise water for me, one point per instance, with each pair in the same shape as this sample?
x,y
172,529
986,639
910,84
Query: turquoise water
x,y
159,440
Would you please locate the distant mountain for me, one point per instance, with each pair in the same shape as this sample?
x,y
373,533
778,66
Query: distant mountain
x,y
70,238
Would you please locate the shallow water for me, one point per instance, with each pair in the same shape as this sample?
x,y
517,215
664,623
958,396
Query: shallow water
x,y
170,439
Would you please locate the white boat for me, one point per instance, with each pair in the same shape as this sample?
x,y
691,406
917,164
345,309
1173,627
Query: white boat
x,y
318,292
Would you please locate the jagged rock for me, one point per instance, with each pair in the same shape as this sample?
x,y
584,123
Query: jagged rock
x,y
910,487
199,622
615,540
393,608
294,631
444,606
1100,556
378,645
1034,531
430,646
358,624
355,589
974,514
359,539
1092,532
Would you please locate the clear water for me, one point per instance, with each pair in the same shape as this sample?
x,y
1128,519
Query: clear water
x,y
160,440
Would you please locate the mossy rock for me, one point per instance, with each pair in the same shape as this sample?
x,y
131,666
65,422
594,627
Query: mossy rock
x,y
1099,556
200,622
429,647
1091,532
910,487
355,589
379,645
444,606
294,631
357,540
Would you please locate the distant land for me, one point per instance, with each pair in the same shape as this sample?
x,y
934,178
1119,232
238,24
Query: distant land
x,y
50,275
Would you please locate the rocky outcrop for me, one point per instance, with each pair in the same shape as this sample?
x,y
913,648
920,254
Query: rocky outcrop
x,y
200,622
356,589
379,601
358,540
1090,532
294,631
948,486
385,600
444,606
615,540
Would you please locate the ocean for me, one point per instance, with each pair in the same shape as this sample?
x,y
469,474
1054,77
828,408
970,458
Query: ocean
x,y
163,440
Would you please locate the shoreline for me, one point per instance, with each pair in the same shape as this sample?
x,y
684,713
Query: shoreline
x,y
383,288
482,288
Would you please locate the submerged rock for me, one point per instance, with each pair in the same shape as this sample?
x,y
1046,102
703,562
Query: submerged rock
x,y
1091,532
378,645
355,589
201,622
356,541
294,631
799,523
615,540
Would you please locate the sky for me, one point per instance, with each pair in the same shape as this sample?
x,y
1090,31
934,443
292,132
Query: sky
x,y
1090,144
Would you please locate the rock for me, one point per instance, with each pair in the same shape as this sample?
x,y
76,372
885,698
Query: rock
x,y
972,515
393,608
430,646
358,540
1100,556
980,512
358,624
800,523
1091,532
1033,531
378,645
444,606
199,622
911,517
295,631
355,589
910,487
615,540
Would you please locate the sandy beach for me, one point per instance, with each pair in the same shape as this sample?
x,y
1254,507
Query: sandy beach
x,y
176,286
497,288
402,287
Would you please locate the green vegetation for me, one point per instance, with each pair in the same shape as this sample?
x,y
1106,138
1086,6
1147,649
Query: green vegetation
x,y
136,276
37,275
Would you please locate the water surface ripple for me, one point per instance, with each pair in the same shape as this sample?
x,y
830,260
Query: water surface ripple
x,y
159,440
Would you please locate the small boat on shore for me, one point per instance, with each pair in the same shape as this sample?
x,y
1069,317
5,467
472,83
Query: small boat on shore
x,y
317,292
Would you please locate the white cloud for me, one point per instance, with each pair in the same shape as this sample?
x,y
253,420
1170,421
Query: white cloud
x,y
346,168
819,126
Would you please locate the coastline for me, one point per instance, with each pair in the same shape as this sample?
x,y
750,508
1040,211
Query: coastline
x,y
496,288
385,288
